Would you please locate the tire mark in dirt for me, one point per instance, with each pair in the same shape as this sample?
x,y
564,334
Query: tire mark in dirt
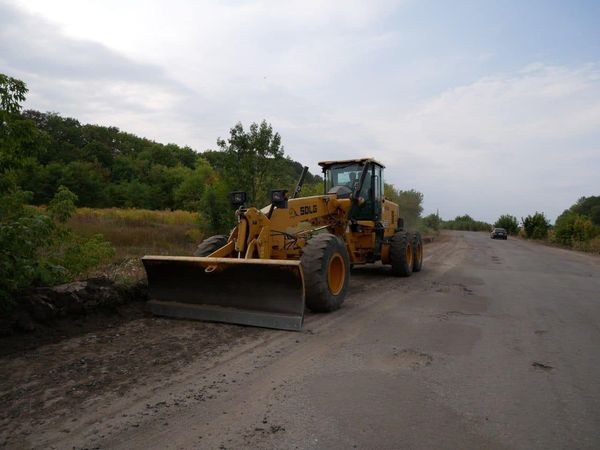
x,y
97,386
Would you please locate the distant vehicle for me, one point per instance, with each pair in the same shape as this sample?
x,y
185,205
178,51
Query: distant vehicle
x,y
499,233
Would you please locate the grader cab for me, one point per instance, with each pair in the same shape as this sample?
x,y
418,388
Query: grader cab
x,y
294,253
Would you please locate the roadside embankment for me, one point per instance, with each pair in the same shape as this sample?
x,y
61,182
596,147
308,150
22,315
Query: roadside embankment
x,y
36,308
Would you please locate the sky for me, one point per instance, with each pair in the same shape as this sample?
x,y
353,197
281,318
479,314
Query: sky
x,y
486,107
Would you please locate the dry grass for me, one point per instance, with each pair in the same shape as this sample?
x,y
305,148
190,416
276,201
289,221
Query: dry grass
x,y
135,233
129,215
591,246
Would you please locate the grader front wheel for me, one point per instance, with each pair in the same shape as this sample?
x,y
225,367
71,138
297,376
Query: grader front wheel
x,y
211,244
326,268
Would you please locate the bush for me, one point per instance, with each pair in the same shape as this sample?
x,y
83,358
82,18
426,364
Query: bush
x,y
509,223
593,245
466,223
572,228
432,221
75,255
536,226
22,232
62,205
37,249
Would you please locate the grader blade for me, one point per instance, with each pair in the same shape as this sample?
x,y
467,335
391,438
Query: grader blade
x,y
260,292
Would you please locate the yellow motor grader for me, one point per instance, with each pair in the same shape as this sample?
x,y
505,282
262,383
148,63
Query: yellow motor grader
x,y
295,253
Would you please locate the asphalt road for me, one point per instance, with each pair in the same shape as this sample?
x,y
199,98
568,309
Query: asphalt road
x,y
495,344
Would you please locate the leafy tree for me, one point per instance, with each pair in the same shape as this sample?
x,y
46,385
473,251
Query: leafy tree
x,y
466,223
159,155
432,221
310,189
36,247
12,94
595,214
188,194
216,216
127,168
184,155
410,203
571,228
588,206
19,138
62,206
163,181
66,137
509,223
217,159
584,229
22,232
252,160
536,226
131,194
32,242
105,167
97,152
87,180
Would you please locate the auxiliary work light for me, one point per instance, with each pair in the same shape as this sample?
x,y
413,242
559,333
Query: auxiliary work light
x,y
279,198
237,199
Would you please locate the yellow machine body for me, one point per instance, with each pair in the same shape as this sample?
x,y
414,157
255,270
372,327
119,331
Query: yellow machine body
x,y
256,277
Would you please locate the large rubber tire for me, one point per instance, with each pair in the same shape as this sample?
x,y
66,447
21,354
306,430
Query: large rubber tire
x,y
326,268
417,252
401,254
211,244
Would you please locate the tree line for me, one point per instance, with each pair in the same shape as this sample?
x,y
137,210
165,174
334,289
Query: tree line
x,y
578,226
106,167
57,164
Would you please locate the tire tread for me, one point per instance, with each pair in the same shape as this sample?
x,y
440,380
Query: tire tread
x,y
318,297
400,266
209,245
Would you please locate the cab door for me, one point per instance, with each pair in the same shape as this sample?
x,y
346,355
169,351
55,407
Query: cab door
x,y
372,192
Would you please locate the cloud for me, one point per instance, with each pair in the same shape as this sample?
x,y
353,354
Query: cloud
x,y
515,143
80,78
187,73
336,79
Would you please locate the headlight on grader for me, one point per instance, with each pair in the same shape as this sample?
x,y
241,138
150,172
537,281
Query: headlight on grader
x,y
237,199
279,198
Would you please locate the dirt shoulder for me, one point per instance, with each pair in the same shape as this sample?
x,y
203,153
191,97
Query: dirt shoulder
x,y
52,386
77,379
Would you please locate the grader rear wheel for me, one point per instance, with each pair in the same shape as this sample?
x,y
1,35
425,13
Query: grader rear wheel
x,y
417,252
326,268
401,254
